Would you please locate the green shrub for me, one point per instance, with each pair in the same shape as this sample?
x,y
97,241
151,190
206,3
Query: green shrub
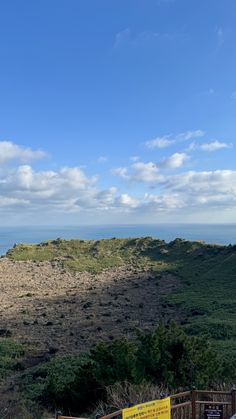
x,y
169,357
166,357
66,382
114,362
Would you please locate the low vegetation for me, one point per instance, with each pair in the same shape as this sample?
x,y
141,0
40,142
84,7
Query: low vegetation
x,y
165,357
11,354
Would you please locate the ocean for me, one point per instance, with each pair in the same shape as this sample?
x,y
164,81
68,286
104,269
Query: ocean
x,y
220,234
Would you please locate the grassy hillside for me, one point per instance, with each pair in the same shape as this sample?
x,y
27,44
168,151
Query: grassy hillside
x,y
207,272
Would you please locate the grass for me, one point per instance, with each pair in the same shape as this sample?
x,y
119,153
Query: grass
x,y
11,354
207,272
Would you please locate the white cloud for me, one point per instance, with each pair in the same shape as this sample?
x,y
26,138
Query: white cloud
x,y
24,178
211,146
10,151
159,142
121,172
145,172
127,201
209,182
193,191
24,190
163,201
189,135
139,172
150,172
168,140
175,161
70,190
214,145
65,189
188,191
97,199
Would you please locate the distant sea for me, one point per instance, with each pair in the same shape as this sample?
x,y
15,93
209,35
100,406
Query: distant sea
x,y
220,234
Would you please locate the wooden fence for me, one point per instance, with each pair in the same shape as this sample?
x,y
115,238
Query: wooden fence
x,y
191,405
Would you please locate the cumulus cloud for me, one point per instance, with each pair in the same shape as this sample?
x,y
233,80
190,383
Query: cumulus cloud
x,y
193,191
165,201
96,199
210,182
10,151
175,161
145,172
66,189
188,191
50,183
140,172
127,201
150,172
70,189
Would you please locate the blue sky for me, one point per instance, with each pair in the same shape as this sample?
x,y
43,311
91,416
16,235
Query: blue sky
x,y
117,111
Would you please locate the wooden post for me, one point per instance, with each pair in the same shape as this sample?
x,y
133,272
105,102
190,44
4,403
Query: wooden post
x,y
233,396
193,397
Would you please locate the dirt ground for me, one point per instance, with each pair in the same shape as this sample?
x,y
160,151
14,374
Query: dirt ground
x,y
50,309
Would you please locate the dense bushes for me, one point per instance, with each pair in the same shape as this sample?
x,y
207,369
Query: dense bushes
x,y
166,357
65,382
169,356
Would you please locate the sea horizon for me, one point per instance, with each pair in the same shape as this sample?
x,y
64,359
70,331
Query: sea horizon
x,y
223,234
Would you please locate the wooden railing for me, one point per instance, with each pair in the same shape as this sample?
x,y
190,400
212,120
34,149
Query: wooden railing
x,y
191,405
182,405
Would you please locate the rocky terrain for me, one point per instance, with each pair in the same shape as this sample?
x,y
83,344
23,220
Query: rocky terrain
x,y
51,309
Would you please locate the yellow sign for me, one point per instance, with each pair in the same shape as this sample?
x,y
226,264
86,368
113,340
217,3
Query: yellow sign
x,y
157,409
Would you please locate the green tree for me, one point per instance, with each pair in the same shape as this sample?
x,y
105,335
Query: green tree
x,y
114,362
169,356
